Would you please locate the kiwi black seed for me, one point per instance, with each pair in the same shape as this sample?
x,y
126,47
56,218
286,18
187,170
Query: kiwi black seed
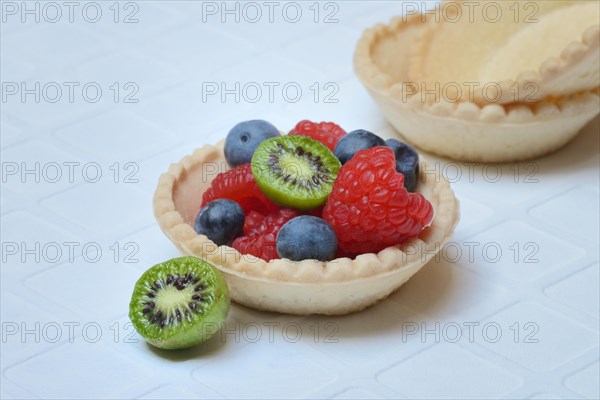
x,y
179,303
295,171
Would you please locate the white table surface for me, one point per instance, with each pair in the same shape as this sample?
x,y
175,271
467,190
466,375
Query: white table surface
x,y
515,317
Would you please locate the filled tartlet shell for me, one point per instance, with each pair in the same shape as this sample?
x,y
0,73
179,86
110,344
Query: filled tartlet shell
x,y
339,286
461,130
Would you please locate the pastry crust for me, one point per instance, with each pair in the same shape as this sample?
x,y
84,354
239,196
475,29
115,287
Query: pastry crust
x,y
515,60
461,130
306,287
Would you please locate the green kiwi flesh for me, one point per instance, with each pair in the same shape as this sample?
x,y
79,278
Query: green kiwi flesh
x,y
295,171
179,303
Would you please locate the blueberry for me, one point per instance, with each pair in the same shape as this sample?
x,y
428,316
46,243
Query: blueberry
x,y
355,141
306,237
407,162
244,138
221,221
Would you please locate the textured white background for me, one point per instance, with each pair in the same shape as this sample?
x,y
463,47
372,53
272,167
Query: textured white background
x,y
548,207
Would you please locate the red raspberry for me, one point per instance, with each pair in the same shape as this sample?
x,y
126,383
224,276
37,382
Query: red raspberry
x,y
261,232
327,133
369,208
341,254
238,184
315,212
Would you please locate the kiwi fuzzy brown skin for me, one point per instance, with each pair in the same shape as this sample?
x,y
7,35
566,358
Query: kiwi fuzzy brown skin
x,y
179,303
295,171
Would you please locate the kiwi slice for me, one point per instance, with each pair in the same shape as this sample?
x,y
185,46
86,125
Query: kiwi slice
x,y
179,303
295,171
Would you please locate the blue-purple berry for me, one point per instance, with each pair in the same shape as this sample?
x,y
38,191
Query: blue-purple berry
x,y
221,221
306,237
244,138
407,162
355,141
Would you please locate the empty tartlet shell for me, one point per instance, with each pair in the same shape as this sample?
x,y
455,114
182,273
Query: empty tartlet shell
x,y
336,287
461,130
574,69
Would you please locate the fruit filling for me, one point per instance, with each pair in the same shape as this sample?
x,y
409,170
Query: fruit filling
x,y
302,169
295,171
238,184
260,233
317,193
327,133
369,208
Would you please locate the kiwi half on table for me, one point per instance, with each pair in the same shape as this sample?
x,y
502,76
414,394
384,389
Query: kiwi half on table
x,y
179,303
295,171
